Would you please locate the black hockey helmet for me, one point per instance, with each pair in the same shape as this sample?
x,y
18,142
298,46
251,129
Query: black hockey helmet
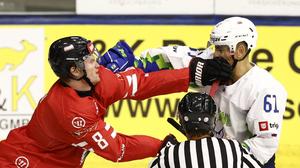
x,y
197,113
70,51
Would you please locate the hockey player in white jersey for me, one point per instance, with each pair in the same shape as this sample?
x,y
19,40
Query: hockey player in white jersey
x,y
251,103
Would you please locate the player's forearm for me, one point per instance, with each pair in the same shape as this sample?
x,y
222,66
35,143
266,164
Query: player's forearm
x,y
118,147
140,147
162,82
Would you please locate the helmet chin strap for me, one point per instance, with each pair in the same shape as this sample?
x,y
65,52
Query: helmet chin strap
x,y
87,80
235,61
80,65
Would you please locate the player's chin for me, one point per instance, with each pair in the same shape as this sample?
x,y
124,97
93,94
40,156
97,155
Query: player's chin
x,y
95,80
97,77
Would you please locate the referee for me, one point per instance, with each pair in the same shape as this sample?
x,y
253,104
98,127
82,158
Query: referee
x,y
197,115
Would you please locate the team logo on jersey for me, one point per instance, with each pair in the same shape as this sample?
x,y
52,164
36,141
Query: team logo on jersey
x,y
263,126
83,132
274,125
78,122
22,162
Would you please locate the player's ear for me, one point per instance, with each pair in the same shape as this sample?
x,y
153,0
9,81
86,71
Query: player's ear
x,y
241,49
76,72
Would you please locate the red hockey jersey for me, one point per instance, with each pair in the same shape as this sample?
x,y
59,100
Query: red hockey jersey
x,y
66,126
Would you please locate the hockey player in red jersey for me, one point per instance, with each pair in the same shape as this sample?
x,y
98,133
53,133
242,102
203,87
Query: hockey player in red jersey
x,y
68,122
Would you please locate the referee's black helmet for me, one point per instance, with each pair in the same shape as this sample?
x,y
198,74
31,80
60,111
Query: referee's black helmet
x,y
197,113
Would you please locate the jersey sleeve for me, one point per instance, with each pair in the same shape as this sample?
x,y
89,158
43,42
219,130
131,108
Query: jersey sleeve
x,y
90,133
265,121
169,57
107,143
135,84
172,57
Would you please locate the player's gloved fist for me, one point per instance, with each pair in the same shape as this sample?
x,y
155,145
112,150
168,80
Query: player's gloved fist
x,y
168,141
118,58
205,71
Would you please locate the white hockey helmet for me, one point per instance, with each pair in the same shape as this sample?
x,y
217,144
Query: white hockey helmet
x,y
233,30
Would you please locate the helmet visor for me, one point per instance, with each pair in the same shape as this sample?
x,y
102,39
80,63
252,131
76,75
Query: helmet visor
x,y
215,49
93,52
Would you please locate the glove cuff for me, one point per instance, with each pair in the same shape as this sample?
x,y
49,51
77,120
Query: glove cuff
x,y
168,141
196,70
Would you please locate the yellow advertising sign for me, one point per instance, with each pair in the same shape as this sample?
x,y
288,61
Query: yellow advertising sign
x,y
278,51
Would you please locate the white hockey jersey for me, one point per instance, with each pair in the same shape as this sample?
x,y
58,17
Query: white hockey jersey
x,y
250,110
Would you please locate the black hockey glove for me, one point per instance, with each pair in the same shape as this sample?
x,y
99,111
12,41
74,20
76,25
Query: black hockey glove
x,y
168,141
205,71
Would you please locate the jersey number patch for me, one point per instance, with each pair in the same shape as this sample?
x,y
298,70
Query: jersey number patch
x,y
102,143
270,103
